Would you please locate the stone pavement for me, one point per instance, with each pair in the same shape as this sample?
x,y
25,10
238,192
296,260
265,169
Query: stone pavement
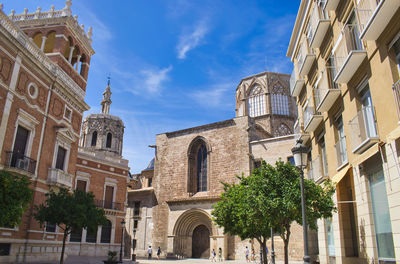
x,y
99,260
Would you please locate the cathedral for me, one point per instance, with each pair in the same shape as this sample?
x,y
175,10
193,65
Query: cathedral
x,y
170,202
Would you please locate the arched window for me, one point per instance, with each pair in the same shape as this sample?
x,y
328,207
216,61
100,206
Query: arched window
x,y
37,39
94,139
106,232
109,140
202,169
198,155
256,102
50,42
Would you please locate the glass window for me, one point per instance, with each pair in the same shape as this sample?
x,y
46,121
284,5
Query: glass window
x,y
341,139
280,105
150,182
61,153
76,235
396,48
330,237
368,112
380,209
91,235
106,232
50,227
135,224
323,156
202,169
256,102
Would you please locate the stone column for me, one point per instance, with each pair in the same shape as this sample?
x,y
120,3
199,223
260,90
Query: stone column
x,y
43,43
71,51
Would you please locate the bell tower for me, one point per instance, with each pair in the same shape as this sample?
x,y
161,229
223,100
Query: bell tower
x,y
58,34
103,132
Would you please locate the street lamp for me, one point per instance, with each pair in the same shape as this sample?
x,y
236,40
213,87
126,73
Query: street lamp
x,y
122,239
272,247
300,159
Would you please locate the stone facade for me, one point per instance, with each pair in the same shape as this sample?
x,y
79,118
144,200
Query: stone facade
x,y
182,192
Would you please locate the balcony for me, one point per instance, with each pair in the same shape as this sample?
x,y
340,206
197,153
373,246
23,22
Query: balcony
x,y
341,152
20,162
396,94
349,54
311,119
363,130
109,205
327,91
305,58
296,84
331,4
319,24
375,15
299,133
59,178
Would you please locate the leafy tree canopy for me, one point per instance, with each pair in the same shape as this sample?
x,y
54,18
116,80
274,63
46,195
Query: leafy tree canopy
x,y
15,196
271,197
70,211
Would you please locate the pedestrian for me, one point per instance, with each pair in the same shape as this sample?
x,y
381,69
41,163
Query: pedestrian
x,y
149,252
253,255
158,253
213,254
220,254
247,253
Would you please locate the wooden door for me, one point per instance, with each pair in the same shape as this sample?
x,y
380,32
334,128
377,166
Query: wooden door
x,y
201,242
108,199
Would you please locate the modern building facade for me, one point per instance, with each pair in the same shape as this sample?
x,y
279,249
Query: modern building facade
x,y
171,201
346,80
44,65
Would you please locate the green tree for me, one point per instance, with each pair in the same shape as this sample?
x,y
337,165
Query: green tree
x,y
271,197
15,196
70,211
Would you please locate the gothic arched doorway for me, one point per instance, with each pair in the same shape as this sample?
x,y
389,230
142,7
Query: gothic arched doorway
x,y
201,242
192,234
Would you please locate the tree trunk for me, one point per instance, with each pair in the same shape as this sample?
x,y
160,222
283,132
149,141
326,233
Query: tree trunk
x,y
286,251
63,246
263,252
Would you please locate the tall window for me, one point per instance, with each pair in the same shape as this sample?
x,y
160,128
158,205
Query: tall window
x,y
330,237
76,235
382,222
396,48
94,139
256,102
106,232
324,160
20,144
91,235
280,105
109,140
341,144
81,185
202,169
198,153
61,154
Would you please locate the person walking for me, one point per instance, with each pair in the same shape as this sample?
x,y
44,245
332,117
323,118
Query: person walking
x,y
213,254
247,253
149,252
158,253
220,254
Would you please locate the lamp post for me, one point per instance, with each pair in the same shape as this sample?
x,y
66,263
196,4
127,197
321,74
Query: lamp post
x,y
300,159
272,247
122,239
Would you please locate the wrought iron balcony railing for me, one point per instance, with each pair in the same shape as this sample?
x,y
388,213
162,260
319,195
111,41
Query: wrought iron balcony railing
x,y
20,161
108,205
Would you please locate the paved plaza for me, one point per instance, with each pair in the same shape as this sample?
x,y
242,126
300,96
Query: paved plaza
x,y
99,260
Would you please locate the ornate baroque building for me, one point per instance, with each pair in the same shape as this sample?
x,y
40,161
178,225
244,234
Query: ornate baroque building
x,y
44,65
170,202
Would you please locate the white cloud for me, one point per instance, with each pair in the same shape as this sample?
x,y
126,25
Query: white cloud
x,y
190,41
155,78
219,95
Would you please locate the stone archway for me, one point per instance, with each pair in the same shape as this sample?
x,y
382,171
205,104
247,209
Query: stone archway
x,y
192,234
201,242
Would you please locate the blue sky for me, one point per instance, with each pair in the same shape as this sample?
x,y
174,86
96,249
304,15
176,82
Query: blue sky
x,y
176,64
